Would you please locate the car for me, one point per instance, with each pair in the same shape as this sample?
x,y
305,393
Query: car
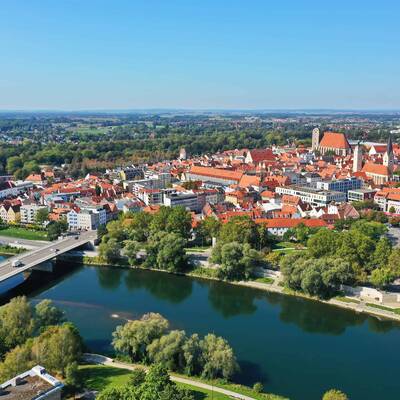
x,y
17,263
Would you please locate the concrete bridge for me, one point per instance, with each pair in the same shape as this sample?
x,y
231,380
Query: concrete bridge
x,y
44,253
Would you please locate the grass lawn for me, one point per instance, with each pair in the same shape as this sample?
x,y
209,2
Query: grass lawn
x,y
268,280
347,300
98,377
394,310
23,233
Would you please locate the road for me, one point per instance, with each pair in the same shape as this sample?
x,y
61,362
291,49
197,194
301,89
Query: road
x,y
102,360
16,242
44,253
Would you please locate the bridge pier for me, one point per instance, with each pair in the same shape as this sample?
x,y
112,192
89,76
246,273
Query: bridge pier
x,y
47,266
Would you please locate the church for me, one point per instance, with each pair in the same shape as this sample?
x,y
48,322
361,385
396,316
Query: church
x,y
330,143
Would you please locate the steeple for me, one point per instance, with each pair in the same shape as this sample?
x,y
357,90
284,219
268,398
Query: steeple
x,y
388,159
357,158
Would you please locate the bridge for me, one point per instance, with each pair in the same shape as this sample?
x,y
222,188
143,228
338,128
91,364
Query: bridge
x,y
44,253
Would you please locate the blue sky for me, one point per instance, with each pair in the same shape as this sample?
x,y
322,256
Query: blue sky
x,y
248,54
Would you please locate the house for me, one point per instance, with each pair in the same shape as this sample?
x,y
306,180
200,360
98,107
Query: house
x,y
279,226
29,213
260,156
10,214
35,384
334,142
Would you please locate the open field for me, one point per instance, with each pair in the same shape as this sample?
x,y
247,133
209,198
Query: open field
x,y
23,233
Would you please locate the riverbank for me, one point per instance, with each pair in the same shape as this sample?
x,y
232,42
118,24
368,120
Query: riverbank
x,y
376,310
227,390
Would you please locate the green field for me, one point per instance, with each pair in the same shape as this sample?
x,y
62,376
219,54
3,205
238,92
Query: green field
x,y
97,377
23,233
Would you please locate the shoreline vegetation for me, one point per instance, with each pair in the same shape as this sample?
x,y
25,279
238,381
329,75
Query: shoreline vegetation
x,y
375,310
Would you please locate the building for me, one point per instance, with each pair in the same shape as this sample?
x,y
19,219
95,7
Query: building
x,y
10,214
35,384
313,196
89,218
357,158
335,143
361,195
279,226
379,173
340,185
189,200
316,135
259,156
131,173
29,213
216,176
13,189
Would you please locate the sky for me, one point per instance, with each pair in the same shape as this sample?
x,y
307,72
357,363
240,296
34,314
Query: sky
x,y
204,54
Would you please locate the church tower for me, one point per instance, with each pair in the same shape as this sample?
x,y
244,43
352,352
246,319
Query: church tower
x,y
357,158
315,139
388,158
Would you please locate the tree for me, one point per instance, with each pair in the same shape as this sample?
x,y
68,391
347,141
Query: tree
x,y
47,314
192,352
138,226
42,216
158,386
72,377
168,350
110,250
323,243
113,393
13,163
219,359
237,261
334,394
392,210
241,229
258,387
131,249
16,323
57,347
56,228
16,361
381,277
382,253
207,229
133,338
116,231
137,377
171,254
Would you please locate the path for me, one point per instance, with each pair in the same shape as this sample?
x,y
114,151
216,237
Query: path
x,y
102,360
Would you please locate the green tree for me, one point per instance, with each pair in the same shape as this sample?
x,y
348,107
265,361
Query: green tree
x,y
16,361
168,350
131,249
42,216
171,254
16,323
381,277
382,253
219,359
334,394
137,377
72,377
241,229
138,226
47,314
323,243
56,228
192,352
57,347
133,338
13,163
207,229
110,250
258,387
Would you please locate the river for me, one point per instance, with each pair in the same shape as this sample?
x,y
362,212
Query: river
x,y
296,347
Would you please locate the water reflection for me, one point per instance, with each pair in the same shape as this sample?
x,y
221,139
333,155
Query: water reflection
x,y
316,317
172,288
231,300
109,278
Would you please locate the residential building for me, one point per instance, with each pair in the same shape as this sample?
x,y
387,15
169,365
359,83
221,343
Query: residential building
x,y
29,213
316,197
10,214
35,384
279,226
218,176
189,200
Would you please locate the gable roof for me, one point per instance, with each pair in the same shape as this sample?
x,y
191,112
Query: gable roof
x,y
335,140
258,155
376,169
216,173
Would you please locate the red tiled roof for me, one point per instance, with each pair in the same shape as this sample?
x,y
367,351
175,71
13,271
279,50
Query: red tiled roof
x,y
334,140
290,223
377,169
258,155
217,173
